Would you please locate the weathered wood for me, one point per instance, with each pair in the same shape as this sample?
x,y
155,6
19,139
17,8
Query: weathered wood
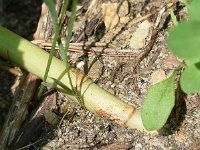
x,y
26,86
34,123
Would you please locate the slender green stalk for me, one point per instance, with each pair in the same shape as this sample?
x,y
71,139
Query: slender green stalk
x,y
67,42
57,28
57,38
51,6
63,52
28,56
42,87
70,29
63,11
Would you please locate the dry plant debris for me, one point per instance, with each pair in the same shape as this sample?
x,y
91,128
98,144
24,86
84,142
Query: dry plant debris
x,y
113,13
157,76
110,16
85,131
138,38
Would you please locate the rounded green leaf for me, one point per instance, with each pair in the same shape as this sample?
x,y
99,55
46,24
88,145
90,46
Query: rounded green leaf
x,y
194,10
190,79
158,104
184,40
192,61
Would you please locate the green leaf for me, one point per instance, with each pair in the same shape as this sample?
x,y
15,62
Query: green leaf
x,y
50,85
67,90
62,50
192,61
51,5
69,35
71,24
159,103
63,53
63,11
194,10
184,41
190,79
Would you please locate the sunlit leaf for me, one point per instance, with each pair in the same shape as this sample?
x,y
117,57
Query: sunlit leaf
x,y
51,5
184,40
194,10
190,79
159,103
67,90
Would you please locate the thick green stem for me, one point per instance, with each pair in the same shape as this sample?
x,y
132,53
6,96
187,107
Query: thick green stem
x,y
28,56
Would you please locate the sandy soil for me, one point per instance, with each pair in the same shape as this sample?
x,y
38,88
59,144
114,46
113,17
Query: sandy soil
x,y
80,129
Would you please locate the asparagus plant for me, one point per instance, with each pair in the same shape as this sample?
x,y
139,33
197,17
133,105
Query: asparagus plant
x,y
30,57
157,105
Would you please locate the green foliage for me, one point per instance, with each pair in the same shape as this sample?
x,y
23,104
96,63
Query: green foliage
x,y
57,22
190,79
159,103
67,90
52,85
184,41
63,50
194,10
51,6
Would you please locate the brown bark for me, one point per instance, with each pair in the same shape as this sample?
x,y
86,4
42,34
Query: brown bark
x,y
25,89
35,122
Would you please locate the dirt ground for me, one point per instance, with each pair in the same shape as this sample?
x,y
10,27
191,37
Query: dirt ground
x,y
77,128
